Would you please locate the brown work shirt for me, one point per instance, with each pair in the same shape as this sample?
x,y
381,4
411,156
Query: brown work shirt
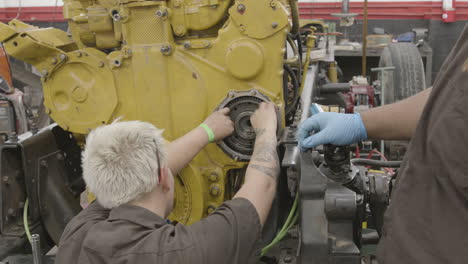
x,y
132,234
427,221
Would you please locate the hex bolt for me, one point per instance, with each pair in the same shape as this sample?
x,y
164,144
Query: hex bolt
x,y
287,259
273,4
115,15
79,54
101,64
241,8
63,56
161,13
214,190
187,45
242,28
48,111
54,61
44,73
166,49
274,25
214,177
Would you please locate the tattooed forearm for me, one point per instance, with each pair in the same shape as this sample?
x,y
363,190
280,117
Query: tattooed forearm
x,y
271,172
265,152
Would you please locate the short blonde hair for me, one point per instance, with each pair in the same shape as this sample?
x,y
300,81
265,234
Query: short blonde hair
x,y
120,161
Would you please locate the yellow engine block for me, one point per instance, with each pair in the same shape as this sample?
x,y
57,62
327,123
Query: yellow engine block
x,y
170,63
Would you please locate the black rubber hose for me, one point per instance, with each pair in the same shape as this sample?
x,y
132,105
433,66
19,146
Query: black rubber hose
x,y
295,16
288,72
297,37
377,163
299,45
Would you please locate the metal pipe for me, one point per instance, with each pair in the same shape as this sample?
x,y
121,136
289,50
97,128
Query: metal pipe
x,y
307,91
306,103
380,71
335,88
36,249
295,59
345,6
308,83
364,41
378,163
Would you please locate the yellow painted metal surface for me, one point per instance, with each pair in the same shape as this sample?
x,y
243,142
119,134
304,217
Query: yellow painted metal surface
x,y
170,63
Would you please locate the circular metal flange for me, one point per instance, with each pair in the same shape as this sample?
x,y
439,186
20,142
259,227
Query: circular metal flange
x,y
242,105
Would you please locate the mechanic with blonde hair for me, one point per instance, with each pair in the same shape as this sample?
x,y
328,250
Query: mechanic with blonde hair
x,y
130,170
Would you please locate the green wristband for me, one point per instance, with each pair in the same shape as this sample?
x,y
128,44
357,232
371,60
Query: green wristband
x,y
211,135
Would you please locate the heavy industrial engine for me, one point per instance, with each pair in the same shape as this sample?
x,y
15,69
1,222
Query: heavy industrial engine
x,y
172,63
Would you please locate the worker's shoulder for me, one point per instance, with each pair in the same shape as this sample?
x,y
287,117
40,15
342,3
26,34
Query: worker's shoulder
x,y
132,234
83,221
136,240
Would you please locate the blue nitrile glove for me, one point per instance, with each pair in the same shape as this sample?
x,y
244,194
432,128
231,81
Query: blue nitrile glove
x,y
331,128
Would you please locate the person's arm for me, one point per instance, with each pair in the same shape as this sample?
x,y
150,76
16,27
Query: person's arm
x,y
396,121
182,150
234,229
262,173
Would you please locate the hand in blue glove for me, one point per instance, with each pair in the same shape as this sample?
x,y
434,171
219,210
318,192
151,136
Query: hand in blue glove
x,y
331,128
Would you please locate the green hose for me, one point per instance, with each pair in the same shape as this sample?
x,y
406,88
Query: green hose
x,y
25,219
290,221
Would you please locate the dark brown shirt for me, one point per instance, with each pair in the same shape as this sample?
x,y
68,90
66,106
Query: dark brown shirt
x,y
427,221
132,234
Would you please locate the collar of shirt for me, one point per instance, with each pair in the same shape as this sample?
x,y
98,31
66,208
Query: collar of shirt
x,y
137,215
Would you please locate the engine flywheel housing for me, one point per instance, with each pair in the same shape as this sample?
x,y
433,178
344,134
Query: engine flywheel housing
x,y
242,105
